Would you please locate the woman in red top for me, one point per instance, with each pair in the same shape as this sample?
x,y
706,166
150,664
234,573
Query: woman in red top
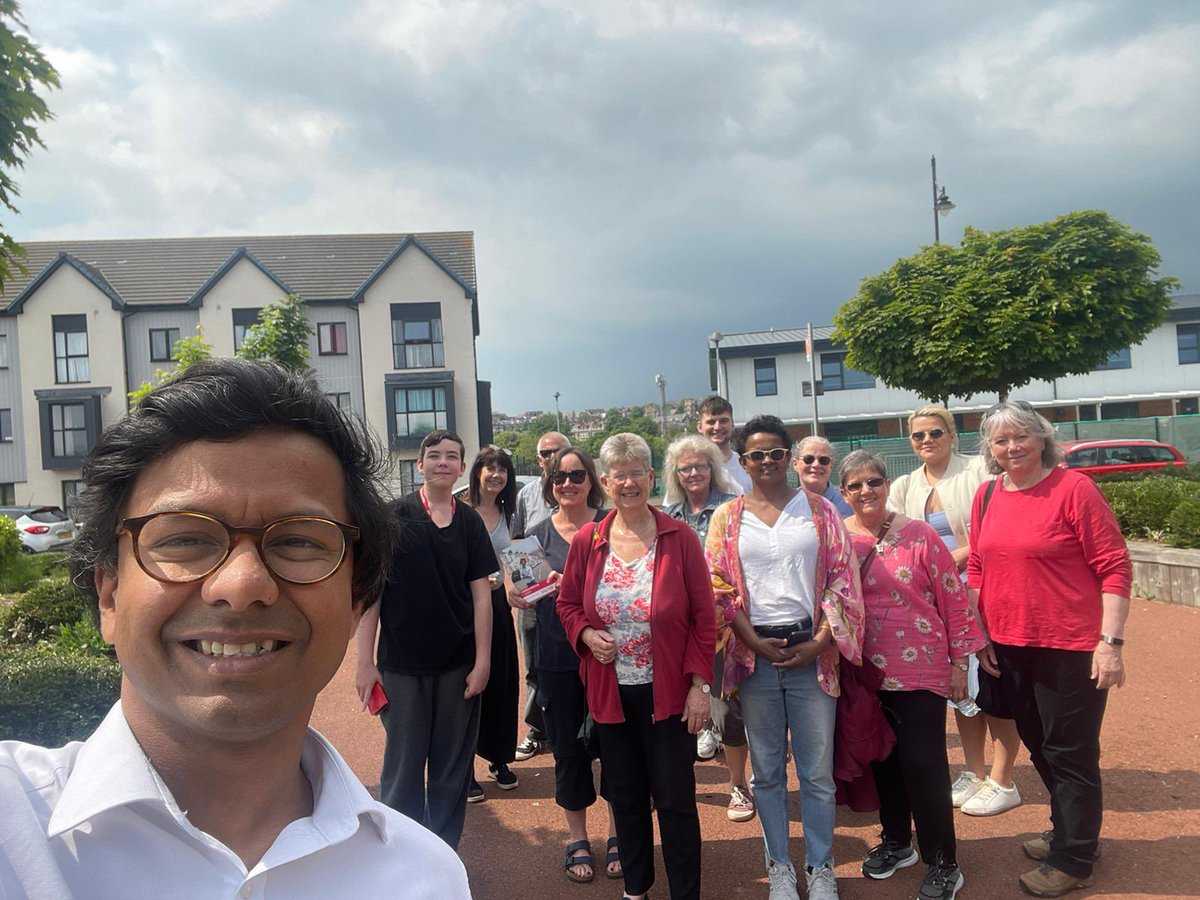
x,y
637,605
1051,574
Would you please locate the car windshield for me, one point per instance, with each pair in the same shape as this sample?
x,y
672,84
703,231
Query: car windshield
x,y
48,514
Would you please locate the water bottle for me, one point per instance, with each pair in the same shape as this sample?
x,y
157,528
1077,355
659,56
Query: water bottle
x,y
968,707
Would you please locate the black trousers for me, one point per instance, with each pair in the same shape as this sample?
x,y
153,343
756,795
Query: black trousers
x,y
1058,712
572,739
497,741
914,781
643,759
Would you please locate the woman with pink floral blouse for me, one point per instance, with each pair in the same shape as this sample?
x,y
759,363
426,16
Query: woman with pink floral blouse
x,y
919,631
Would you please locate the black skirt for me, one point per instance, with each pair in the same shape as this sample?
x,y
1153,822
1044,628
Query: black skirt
x,y
497,741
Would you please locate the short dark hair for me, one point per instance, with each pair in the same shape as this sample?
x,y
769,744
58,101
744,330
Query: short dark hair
x,y
761,425
595,497
226,400
489,456
438,435
714,405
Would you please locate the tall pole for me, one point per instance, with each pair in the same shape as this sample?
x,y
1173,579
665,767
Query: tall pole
x,y
661,381
557,414
716,337
812,374
936,229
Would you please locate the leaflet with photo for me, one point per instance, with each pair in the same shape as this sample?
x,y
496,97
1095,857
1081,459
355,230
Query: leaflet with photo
x,y
526,565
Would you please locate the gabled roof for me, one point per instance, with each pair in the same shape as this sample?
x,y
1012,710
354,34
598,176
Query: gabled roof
x,y
170,271
91,273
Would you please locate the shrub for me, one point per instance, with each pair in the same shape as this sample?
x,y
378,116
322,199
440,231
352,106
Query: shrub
x,y
17,569
1184,523
34,615
49,697
1187,473
1146,506
10,539
82,637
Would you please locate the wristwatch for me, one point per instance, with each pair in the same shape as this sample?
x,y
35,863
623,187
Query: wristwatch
x,y
704,688
962,667
1115,641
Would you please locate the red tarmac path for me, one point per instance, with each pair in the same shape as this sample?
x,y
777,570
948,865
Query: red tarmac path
x,y
512,845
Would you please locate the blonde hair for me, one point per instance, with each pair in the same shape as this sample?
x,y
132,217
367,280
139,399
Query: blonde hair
x,y
933,411
673,491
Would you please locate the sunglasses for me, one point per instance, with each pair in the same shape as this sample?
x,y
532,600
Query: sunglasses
x,y
1023,405
809,459
779,454
855,486
575,476
935,434
546,454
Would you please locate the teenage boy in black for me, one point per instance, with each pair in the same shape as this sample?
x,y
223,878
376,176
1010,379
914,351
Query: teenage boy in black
x,y
434,626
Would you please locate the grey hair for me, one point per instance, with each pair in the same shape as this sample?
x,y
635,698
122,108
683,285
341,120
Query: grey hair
x,y
860,459
1018,414
693,443
798,447
622,448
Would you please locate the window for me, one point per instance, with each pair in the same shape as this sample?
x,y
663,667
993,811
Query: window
x,y
1187,406
162,344
68,430
6,432
8,494
837,376
1119,410
765,384
3,351
410,478
1187,337
341,401
69,421
71,349
1087,412
331,338
243,321
1088,456
417,336
1152,454
1117,360
419,411
70,491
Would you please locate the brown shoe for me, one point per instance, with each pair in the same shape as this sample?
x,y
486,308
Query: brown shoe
x,y
1039,847
1047,881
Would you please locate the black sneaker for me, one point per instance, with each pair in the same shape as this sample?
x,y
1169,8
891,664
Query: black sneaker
x,y
942,881
885,859
528,748
503,776
475,792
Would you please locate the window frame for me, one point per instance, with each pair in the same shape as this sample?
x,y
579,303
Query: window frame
x,y
761,383
62,325
1117,360
66,504
240,322
839,380
335,397
332,329
3,351
428,314
6,434
170,357
441,416
1192,330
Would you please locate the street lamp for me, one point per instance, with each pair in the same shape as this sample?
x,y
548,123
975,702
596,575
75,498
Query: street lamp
x,y
941,203
557,414
661,381
716,337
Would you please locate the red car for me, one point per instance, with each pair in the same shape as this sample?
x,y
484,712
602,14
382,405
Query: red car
x,y
1112,455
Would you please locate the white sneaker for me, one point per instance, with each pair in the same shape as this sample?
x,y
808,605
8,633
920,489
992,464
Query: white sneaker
x,y
966,786
822,883
992,799
783,882
706,744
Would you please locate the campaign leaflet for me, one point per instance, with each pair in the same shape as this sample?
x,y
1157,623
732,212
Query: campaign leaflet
x,y
526,565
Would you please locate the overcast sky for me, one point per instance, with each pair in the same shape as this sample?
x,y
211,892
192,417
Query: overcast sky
x,y
637,174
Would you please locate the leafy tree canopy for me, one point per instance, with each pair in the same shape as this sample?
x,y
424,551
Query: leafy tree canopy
x,y
1007,307
186,352
281,335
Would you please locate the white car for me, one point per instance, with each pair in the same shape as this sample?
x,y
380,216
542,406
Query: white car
x,y
42,528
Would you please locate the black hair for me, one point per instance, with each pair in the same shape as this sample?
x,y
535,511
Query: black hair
x,y
227,400
761,425
489,456
438,435
595,497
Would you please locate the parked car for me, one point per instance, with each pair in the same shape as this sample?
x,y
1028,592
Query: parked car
x,y
1112,455
42,528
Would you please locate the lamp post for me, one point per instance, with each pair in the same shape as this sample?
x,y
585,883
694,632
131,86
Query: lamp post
x,y
557,414
941,203
716,338
661,381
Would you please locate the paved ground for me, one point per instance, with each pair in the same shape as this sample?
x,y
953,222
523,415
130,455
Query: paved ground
x,y
512,845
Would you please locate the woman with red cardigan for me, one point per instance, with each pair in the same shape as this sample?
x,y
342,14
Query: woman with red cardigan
x,y
637,605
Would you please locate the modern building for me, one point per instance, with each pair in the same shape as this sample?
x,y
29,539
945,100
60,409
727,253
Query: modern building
x,y
394,317
768,372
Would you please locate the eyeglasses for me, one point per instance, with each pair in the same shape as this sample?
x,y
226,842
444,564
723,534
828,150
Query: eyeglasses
x,y
546,454
495,448
855,487
575,476
181,547
1023,405
619,477
935,434
809,459
692,470
777,455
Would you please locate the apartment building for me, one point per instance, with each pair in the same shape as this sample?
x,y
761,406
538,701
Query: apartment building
x,y
394,316
768,372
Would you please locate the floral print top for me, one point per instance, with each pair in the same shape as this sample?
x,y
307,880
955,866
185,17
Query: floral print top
x,y
918,615
623,604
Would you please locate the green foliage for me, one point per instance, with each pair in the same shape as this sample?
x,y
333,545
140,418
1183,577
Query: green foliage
x,y
1006,307
50,697
18,570
1183,524
23,71
281,335
1152,506
35,615
1187,473
10,539
187,352
82,637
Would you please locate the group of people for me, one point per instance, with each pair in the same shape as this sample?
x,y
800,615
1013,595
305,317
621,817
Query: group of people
x,y
748,613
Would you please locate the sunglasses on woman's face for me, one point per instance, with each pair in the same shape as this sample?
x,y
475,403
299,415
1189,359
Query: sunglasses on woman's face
x,y
575,476
855,487
779,454
809,459
935,434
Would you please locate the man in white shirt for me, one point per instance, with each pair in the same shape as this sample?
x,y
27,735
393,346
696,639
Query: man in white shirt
x,y
235,532
716,424
531,509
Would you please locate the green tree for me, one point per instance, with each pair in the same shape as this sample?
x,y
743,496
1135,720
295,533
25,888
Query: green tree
x,y
280,335
1007,307
23,71
186,352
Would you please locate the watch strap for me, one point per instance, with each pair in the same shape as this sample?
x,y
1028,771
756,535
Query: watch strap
x,y
1115,641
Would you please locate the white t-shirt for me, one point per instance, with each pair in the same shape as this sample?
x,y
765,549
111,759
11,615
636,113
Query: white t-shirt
x,y
739,476
94,820
780,564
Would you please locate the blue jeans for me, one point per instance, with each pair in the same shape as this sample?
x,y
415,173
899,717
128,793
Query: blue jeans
x,y
774,702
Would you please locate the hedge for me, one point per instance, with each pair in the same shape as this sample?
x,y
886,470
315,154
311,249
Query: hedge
x,y
50,697
35,615
1159,508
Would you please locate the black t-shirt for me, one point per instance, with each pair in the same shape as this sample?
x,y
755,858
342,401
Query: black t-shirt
x,y
427,615
553,651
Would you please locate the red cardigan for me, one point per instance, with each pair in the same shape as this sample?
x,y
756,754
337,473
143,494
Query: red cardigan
x,y
682,616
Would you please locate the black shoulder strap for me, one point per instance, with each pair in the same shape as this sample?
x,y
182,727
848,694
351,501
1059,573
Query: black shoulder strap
x,y
882,533
987,496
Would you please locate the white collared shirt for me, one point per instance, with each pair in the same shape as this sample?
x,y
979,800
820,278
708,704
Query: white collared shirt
x,y
739,476
95,820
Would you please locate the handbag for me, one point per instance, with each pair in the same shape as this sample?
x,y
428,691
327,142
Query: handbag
x,y
991,698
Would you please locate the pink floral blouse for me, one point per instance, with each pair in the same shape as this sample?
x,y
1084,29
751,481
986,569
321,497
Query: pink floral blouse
x,y
918,615
623,604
